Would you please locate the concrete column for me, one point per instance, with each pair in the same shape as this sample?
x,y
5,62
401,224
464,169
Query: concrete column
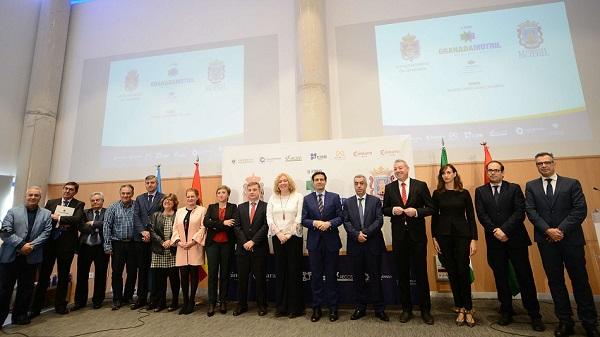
x,y
313,75
37,137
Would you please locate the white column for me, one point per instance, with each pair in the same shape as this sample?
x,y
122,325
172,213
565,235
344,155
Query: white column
x,y
37,137
313,90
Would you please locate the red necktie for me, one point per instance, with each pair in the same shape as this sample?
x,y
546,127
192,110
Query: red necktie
x,y
252,212
404,198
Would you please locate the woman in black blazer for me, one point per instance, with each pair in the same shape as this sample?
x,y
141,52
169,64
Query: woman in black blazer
x,y
220,240
454,238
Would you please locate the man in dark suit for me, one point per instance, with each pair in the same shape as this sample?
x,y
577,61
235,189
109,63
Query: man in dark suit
x,y
556,206
24,231
252,248
363,220
92,251
322,215
500,209
60,248
145,204
408,201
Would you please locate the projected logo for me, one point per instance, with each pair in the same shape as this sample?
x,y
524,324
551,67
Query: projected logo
x,y
172,72
216,72
380,176
410,47
132,80
467,36
530,34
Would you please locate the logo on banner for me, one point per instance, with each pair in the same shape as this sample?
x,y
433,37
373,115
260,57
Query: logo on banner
x,y
362,154
389,152
132,80
253,178
339,155
216,71
316,156
380,176
263,160
289,158
410,48
530,34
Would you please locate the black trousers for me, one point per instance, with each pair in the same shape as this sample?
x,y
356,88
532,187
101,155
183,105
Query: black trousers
x,y
455,258
288,269
159,291
498,260
190,277
85,257
63,259
143,259
555,258
363,261
408,253
21,273
256,264
324,262
123,256
219,261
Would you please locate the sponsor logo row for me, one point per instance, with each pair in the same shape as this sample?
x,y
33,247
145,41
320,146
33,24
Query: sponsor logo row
x,y
337,155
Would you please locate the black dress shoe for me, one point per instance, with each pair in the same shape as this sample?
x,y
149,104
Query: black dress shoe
x,y
280,314
592,332
316,315
33,314
223,307
211,310
537,324
406,316
116,306
23,320
97,305
61,310
77,306
426,317
174,306
262,311
357,314
564,329
137,305
152,306
239,310
333,315
382,316
505,319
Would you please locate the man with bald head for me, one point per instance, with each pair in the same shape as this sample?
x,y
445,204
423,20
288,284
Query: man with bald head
x,y
24,230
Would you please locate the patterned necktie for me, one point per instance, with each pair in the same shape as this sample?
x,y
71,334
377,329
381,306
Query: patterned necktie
x,y
549,191
150,198
320,202
361,213
65,203
252,212
404,197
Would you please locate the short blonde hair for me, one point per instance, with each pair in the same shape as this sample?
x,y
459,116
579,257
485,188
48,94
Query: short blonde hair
x,y
291,183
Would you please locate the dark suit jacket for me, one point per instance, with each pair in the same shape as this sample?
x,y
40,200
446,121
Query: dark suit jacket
x,y
214,225
142,210
565,211
255,231
157,233
418,198
373,221
455,215
85,230
508,215
332,212
69,225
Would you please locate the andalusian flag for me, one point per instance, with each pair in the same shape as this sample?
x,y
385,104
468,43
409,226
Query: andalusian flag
x,y
444,156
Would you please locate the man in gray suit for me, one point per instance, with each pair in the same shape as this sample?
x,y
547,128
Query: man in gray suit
x,y
24,231
556,206
363,219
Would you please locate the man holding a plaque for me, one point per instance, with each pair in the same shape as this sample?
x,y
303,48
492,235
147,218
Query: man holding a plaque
x,y
67,217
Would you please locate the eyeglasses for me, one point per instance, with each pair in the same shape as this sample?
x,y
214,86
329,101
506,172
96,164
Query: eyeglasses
x,y
494,170
542,163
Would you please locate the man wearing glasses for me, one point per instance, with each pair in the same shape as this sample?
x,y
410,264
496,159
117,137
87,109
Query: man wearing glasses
x,y
500,209
556,206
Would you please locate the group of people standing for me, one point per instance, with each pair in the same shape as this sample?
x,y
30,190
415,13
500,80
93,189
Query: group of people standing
x,y
156,240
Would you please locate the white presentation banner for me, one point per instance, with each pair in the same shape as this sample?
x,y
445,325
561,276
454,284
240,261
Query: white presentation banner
x,y
340,159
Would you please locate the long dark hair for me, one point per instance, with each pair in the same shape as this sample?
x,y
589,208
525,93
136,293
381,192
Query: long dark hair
x,y
441,187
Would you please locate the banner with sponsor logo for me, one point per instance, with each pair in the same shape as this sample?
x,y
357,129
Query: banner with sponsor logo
x,y
340,159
